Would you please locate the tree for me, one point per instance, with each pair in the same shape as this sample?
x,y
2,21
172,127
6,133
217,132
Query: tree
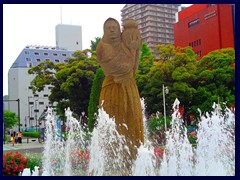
x,y
94,98
145,63
196,83
10,119
215,79
174,68
94,44
71,81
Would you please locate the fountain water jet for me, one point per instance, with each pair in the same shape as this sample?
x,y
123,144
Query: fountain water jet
x,y
215,154
215,148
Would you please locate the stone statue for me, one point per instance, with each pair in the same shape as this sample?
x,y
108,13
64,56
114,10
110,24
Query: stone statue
x,y
118,55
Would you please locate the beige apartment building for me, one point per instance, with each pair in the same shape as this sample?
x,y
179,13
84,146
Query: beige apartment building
x,y
155,21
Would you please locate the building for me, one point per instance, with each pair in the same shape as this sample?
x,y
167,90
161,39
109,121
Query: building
x,y
69,37
205,27
33,105
155,21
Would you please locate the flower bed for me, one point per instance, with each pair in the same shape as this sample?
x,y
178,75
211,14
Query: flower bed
x,y
13,163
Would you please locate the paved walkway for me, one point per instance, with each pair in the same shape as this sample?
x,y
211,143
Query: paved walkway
x,y
31,143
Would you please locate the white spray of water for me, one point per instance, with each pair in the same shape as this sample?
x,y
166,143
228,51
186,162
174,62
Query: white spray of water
x,y
107,147
215,154
178,154
145,163
59,154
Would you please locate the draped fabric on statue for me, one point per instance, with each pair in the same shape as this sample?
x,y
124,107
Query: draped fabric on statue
x,y
122,101
119,95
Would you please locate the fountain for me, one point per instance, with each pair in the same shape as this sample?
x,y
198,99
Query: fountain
x,y
213,155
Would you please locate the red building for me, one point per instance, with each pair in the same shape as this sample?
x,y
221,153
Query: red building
x,y
205,27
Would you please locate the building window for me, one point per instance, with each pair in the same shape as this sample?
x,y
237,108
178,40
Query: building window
x,y
45,95
64,54
31,103
41,103
50,87
65,60
47,59
28,59
55,54
38,60
35,95
193,23
45,54
26,52
29,65
30,87
57,60
36,53
77,43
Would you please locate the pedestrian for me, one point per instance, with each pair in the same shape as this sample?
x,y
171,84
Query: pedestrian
x,y
13,137
20,137
16,137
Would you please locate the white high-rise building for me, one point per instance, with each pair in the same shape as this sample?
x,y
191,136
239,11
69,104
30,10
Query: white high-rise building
x,y
69,37
33,105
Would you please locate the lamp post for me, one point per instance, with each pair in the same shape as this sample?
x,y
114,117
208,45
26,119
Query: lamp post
x,y
165,90
30,119
36,110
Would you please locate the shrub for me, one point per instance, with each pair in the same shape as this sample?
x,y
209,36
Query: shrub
x,y
5,138
34,160
31,134
156,123
94,98
13,163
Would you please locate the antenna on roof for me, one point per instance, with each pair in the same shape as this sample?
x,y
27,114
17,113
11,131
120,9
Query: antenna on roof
x,y
61,13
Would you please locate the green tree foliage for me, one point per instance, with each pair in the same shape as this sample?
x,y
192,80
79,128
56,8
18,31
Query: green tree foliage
x,y
196,83
145,63
175,68
146,59
215,78
94,98
71,81
94,44
10,119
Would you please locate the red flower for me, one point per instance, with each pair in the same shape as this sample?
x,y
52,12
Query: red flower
x,y
158,151
13,163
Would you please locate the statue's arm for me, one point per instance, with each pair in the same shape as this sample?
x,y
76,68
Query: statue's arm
x,y
138,43
104,52
135,68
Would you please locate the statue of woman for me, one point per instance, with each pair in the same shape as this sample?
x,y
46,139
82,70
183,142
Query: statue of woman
x,y
119,94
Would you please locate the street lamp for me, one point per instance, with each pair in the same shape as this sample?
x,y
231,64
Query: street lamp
x,y
165,90
36,111
31,117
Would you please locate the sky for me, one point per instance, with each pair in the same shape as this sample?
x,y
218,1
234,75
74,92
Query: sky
x,y
34,24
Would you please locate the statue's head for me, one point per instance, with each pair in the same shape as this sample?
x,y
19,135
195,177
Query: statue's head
x,y
130,23
112,32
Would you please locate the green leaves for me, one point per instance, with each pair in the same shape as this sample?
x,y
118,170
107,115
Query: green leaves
x,y
196,83
10,119
71,81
